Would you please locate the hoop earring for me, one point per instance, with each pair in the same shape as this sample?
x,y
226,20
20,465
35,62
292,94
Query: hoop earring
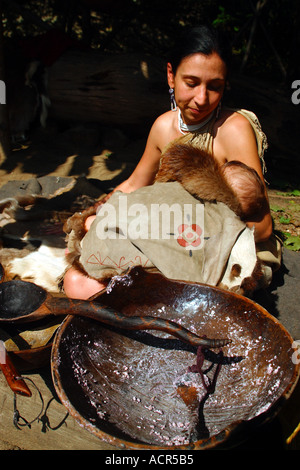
x,y
172,98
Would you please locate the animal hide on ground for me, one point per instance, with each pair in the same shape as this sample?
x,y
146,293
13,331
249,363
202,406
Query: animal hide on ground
x,y
33,242
44,266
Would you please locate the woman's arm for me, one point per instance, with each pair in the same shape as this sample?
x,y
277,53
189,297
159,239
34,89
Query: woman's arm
x,y
239,143
146,169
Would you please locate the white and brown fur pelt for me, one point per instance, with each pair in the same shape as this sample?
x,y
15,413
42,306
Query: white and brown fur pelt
x,y
41,259
36,261
74,227
200,175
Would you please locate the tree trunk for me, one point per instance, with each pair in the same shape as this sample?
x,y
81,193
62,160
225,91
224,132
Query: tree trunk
x,y
121,90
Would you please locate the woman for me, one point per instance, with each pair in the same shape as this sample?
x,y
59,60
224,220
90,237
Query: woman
x,y
197,75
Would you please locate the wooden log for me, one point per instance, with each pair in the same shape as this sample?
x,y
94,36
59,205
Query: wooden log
x,y
123,90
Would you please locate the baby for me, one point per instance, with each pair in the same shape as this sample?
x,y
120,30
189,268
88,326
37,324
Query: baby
x,y
249,189
233,183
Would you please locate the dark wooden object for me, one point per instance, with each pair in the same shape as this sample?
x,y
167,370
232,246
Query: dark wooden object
x,y
125,90
134,390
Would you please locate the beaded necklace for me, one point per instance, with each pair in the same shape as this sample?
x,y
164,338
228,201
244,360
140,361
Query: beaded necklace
x,y
184,128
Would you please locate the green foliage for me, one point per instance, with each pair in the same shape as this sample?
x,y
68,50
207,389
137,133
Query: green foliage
x,y
152,26
294,205
291,242
275,208
294,192
285,220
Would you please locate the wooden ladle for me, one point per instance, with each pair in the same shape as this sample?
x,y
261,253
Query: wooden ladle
x,y
22,301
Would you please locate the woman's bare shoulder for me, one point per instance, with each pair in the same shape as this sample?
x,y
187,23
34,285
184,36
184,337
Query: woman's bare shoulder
x,y
164,129
230,119
234,127
165,119
235,139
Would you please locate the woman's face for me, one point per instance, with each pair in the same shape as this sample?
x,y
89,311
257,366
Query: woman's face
x,y
198,85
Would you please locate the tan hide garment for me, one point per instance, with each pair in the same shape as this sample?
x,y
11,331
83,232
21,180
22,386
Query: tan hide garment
x,y
204,138
193,246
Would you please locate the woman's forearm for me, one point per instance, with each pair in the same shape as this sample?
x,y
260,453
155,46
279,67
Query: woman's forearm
x,y
263,228
127,186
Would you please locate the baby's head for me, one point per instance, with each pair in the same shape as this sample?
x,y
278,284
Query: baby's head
x,y
249,189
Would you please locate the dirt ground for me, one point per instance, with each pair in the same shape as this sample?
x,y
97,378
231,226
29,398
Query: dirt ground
x,y
109,155
285,210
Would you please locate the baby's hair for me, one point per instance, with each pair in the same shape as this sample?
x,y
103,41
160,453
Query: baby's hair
x,y
248,187
201,39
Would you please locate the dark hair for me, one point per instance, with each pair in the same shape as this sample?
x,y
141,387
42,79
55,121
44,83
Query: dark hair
x,y
200,39
249,188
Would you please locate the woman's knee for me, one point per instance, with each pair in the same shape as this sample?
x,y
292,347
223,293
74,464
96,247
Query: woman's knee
x,y
79,286
72,281
89,222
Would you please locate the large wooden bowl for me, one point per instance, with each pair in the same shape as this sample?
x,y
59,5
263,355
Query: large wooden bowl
x,y
134,390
